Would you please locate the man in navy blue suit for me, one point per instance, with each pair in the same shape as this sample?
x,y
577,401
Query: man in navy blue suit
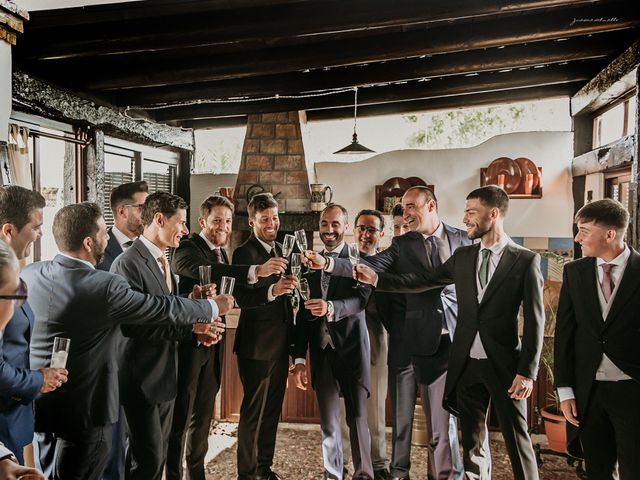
x,y
126,202
20,226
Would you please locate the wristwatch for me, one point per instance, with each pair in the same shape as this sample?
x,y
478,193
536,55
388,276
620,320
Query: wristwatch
x,y
9,456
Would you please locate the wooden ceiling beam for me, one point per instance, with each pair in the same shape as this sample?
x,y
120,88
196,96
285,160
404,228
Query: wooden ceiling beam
x,y
193,28
450,86
518,56
107,73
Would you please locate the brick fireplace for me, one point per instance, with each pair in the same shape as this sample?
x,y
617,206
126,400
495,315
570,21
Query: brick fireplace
x,y
273,161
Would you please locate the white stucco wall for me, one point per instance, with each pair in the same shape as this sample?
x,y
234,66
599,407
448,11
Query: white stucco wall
x,y
5,89
456,172
201,187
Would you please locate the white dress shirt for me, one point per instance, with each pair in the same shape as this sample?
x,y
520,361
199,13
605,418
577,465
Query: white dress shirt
x,y
497,249
122,239
607,370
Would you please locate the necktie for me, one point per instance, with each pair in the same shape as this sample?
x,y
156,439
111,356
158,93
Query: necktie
x,y
326,277
433,251
166,271
483,272
217,255
607,282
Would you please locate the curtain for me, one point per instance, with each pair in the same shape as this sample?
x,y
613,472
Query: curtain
x,y
19,165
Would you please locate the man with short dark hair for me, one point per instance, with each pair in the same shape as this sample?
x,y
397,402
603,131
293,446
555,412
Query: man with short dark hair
x,y
71,299
488,363
400,227
262,344
199,367
597,366
126,202
20,226
148,372
332,327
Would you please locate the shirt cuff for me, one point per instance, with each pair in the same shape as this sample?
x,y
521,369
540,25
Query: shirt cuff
x,y
331,264
331,317
565,393
270,296
214,310
252,276
300,361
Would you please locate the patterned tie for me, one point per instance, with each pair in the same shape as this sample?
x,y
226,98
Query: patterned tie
x,y
326,277
433,251
483,272
607,282
166,271
217,255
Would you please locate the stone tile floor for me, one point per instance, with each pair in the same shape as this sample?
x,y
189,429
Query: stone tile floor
x,y
299,457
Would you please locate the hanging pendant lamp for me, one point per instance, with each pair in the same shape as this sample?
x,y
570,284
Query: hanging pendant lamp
x,y
355,146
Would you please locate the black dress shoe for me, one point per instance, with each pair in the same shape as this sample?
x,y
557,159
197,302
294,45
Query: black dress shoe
x,y
269,475
382,474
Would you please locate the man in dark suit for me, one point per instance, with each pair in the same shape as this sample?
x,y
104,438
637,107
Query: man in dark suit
x,y
126,205
148,372
263,343
429,321
199,367
488,361
20,226
597,366
126,202
367,231
333,327
71,299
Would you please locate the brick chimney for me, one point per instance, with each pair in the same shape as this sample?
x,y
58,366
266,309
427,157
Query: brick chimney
x,y
273,158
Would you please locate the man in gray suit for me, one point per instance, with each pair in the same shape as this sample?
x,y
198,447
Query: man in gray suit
x,y
71,299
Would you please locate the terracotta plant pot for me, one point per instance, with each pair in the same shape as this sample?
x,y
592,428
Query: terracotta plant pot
x,y
555,428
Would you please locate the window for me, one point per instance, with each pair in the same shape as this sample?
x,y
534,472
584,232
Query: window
x,y
615,123
130,162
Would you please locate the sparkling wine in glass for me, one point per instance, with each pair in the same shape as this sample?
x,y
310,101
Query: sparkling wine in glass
x,y
296,264
301,239
354,258
305,292
226,285
60,352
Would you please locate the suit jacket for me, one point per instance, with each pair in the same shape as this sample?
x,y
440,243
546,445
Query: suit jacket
x,y
193,252
516,281
582,336
72,300
423,313
149,360
19,385
265,329
348,332
111,252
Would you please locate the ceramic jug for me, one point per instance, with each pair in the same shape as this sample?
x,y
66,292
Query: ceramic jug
x,y
319,198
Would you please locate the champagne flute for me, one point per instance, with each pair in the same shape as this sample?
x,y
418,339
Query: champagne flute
x,y
305,292
296,264
226,285
287,245
301,239
205,274
354,257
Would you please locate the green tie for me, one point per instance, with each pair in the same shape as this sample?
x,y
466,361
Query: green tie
x,y
483,273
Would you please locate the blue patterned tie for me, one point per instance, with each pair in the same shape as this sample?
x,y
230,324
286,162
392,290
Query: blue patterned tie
x,y
433,251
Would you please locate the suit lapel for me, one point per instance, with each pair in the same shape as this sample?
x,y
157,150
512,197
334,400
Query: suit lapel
x,y
587,283
260,248
152,265
629,284
113,247
507,261
419,249
453,237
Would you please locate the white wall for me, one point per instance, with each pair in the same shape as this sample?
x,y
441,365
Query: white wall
x,y
5,89
201,187
456,172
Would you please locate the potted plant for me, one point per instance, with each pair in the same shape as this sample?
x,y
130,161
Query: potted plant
x,y
554,421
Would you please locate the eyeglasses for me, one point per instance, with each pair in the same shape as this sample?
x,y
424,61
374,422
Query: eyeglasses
x,y
371,230
20,296
135,205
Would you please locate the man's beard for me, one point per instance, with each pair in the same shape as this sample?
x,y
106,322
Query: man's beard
x,y
331,242
135,228
97,252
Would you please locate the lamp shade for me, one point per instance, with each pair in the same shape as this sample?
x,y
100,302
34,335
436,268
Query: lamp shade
x,y
355,147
